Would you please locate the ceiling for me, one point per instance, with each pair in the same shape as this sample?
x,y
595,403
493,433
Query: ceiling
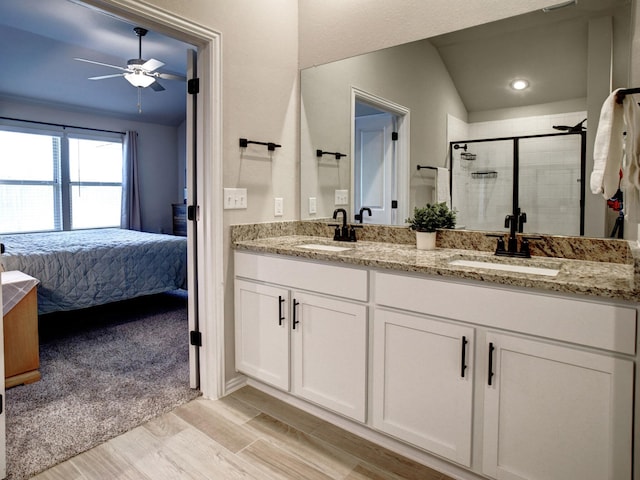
x,y
39,41
549,49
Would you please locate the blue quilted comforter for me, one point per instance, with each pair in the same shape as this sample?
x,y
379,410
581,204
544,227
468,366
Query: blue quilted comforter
x,y
84,268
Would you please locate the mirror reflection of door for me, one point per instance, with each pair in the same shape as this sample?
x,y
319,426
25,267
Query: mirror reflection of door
x,y
375,182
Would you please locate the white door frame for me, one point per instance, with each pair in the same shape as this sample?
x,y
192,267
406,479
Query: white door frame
x,y
402,148
209,157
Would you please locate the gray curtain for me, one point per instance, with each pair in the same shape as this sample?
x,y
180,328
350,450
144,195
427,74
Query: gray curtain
x,y
130,215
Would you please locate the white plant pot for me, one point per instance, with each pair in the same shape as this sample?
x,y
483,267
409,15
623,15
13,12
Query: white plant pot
x,y
426,240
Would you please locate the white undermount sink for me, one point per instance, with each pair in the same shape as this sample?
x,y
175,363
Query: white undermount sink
x,y
549,272
323,248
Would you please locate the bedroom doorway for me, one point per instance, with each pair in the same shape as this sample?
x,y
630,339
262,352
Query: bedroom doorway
x,y
204,179
204,128
205,176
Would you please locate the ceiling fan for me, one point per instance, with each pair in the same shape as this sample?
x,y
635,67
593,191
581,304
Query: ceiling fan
x,y
138,72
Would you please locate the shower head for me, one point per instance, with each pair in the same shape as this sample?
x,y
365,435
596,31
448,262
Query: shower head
x,y
575,129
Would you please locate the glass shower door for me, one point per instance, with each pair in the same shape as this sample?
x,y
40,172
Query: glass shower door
x,y
482,184
550,181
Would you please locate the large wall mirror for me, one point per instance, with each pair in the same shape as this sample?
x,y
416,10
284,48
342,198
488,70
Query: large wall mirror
x,y
369,122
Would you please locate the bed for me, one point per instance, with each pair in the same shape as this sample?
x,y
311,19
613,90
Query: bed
x,y
84,268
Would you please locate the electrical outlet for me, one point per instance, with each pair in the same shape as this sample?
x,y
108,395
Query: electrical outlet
x,y
278,207
235,198
342,197
313,207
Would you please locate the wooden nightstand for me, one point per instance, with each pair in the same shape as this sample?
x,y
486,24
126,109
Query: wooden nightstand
x,y
21,345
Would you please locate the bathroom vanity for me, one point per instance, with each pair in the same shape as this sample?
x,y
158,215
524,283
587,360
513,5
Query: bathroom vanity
x,y
508,375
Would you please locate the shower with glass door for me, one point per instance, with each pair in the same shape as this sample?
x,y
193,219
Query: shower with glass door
x,y
541,175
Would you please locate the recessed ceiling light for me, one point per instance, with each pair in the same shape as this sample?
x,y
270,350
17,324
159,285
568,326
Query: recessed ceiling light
x,y
519,84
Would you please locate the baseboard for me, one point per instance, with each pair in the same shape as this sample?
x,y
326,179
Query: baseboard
x,y
234,384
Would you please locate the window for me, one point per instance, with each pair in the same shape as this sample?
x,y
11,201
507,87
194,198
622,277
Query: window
x,y
58,181
95,173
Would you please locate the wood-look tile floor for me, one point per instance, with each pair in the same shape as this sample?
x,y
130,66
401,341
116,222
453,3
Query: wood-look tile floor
x,y
246,435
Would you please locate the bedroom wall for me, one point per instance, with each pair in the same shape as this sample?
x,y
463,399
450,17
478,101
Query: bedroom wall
x,y
158,154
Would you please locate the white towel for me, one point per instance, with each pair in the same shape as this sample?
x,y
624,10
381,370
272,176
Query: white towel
x,y
608,151
631,162
631,167
442,186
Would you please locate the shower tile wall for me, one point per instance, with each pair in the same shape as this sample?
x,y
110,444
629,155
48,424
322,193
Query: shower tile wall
x,y
549,174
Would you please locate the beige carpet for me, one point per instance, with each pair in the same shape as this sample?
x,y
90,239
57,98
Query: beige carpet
x,y
104,371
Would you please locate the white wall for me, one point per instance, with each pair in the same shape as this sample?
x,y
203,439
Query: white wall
x,y
410,75
260,101
158,155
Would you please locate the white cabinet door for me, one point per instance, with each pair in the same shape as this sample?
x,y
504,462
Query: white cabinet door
x,y
555,413
329,342
423,382
262,332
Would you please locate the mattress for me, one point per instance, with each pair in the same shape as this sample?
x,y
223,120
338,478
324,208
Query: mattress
x,y
84,268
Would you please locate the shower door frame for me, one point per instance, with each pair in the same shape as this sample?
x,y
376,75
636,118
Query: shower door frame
x,y
516,165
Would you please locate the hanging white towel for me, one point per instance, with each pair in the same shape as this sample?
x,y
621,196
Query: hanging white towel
x,y
631,167
608,148
631,162
442,186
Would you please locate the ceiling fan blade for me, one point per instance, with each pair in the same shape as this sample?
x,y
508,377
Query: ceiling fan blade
x,y
171,76
156,87
151,65
102,77
103,64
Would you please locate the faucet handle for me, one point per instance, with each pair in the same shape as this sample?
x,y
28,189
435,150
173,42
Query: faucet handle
x,y
507,221
352,232
336,233
522,219
499,243
524,245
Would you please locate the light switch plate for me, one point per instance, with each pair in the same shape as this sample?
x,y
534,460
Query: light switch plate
x,y
235,198
278,207
342,197
313,207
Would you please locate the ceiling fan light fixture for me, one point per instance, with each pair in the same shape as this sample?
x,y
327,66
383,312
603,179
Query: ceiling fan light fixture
x,y
139,79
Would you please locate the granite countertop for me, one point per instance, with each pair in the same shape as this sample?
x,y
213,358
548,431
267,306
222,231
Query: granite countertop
x,y
591,278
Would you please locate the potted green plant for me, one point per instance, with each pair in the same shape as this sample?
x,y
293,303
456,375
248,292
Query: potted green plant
x,y
427,220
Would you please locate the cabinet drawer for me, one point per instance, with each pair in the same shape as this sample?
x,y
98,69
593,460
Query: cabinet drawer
x,y
593,324
322,278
